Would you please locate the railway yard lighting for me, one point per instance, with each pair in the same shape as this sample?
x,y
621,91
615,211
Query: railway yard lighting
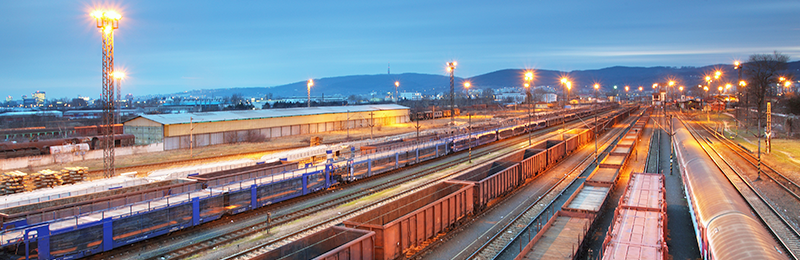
x,y
308,87
451,67
396,94
529,96
107,21
118,76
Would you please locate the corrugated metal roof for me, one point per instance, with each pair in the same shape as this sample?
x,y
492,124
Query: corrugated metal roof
x,y
174,119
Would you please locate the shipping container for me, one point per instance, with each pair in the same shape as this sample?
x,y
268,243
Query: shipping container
x,y
492,180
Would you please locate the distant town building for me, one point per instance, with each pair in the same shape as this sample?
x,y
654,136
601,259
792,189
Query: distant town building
x,y
9,99
39,96
549,97
509,97
411,95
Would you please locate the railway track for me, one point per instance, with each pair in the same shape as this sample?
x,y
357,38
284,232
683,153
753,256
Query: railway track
x,y
265,247
790,186
515,228
783,230
252,224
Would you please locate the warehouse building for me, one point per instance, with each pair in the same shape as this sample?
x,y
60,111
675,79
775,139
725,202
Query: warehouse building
x,y
210,128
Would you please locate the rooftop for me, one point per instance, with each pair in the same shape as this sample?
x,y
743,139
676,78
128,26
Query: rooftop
x,y
200,117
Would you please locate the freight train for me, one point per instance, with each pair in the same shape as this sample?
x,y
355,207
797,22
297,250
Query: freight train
x,y
42,147
725,225
77,229
433,114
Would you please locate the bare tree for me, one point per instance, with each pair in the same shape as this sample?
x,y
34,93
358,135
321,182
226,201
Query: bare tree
x,y
762,72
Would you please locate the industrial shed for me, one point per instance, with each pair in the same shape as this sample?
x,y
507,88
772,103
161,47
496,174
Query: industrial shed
x,y
210,128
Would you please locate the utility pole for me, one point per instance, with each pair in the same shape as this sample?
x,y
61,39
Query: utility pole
x,y
191,136
371,123
107,22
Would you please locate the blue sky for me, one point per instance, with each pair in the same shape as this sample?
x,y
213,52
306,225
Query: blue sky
x,y
172,46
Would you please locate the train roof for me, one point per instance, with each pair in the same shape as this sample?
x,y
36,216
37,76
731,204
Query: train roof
x,y
173,119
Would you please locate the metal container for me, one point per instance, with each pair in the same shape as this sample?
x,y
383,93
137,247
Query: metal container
x,y
411,220
492,180
334,243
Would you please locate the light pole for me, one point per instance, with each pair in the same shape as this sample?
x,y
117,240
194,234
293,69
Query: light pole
x,y
564,81
596,88
529,96
396,94
627,88
738,66
451,67
467,84
108,21
308,87
118,76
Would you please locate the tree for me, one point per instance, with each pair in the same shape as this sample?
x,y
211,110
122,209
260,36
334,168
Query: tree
x,y
488,95
762,73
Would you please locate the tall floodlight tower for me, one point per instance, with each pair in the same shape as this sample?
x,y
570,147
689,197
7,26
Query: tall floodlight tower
x,y
118,75
107,22
451,67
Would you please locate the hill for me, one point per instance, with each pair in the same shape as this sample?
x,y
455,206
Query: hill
x,y
429,84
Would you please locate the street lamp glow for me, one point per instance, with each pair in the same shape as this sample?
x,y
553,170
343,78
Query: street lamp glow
x,y
719,88
717,74
118,74
655,85
526,85
563,80
671,83
569,85
310,83
708,78
467,84
529,76
727,86
640,88
742,83
397,83
736,64
782,79
627,88
596,86
680,88
787,83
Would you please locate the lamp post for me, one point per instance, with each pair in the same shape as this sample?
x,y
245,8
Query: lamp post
x,y
527,87
467,84
738,66
564,82
596,89
118,76
108,21
529,96
396,94
451,67
308,87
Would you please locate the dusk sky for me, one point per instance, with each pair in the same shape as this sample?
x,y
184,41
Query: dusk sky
x,y
172,46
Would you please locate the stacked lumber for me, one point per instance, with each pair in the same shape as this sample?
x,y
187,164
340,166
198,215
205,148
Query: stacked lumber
x,y
46,179
72,175
12,182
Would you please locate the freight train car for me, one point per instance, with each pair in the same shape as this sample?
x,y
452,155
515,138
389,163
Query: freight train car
x,y
42,147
